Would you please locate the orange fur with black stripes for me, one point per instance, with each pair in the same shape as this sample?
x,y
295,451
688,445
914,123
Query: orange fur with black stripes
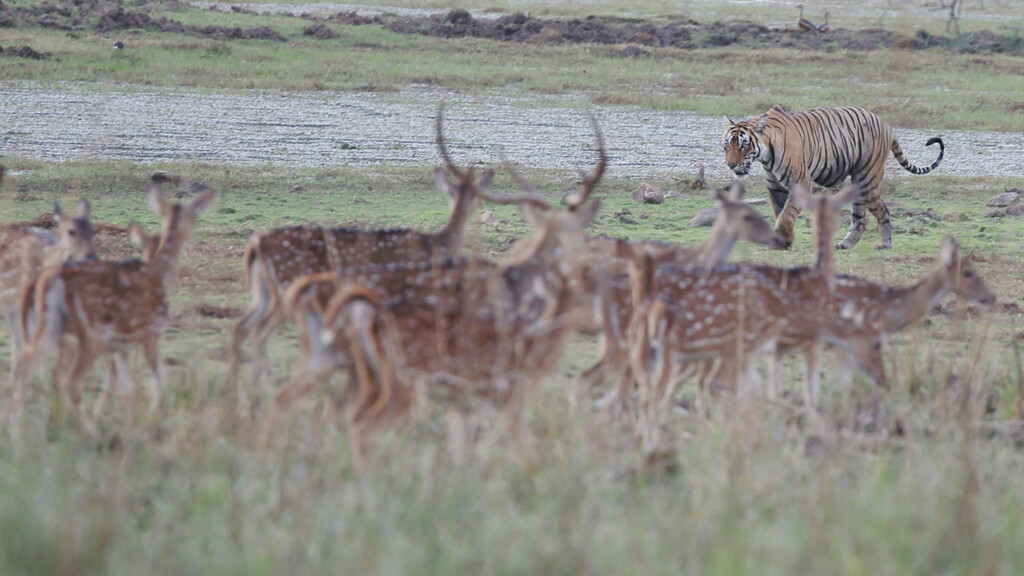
x,y
823,146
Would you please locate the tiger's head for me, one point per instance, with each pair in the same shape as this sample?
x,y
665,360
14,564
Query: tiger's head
x,y
742,143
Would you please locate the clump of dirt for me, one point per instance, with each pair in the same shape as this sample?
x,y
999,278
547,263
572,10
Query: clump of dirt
x,y
353,19
106,16
678,33
214,311
24,52
43,220
321,31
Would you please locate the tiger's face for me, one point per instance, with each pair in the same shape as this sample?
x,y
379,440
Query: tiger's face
x,y
741,147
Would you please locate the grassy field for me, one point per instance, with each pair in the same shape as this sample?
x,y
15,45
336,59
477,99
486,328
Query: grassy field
x,y
936,490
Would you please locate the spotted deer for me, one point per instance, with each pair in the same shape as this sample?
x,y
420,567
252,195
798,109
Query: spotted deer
x,y
816,283
276,258
26,252
106,307
486,330
882,309
607,292
148,244
727,312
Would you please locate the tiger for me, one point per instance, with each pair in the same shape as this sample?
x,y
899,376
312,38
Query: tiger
x,y
823,145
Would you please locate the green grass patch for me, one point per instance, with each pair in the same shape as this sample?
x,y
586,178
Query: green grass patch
x,y
915,89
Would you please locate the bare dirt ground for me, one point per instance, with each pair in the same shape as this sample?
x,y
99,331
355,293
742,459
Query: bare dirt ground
x,y
310,129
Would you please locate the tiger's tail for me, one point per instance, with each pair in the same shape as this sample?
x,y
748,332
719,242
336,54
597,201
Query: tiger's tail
x,y
897,153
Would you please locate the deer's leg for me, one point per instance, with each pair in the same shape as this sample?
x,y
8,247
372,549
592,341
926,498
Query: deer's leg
x,y
151,347
16,337
81,367
257,312
812,382
125,386
261,361
108,382
307,378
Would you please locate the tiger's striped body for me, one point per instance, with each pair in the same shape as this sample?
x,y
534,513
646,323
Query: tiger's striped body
x,y
823,146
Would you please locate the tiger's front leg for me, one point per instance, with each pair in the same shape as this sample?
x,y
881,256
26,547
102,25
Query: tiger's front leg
x,y
783,209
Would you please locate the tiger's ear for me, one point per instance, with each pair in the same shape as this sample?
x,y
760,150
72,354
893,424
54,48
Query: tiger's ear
x,y
729,120
762,123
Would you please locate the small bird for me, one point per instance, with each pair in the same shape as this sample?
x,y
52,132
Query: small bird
x,y
118,45
824,27
804,23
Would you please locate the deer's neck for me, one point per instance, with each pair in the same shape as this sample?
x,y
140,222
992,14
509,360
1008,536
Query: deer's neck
x,y
450,237
715,249
164,265
901,307
825,253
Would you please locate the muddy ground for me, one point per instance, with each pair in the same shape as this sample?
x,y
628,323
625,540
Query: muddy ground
x,y
323,129
637,36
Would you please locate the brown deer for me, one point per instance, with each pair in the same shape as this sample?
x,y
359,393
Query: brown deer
x,y
276,258
107,307
882,309
730,313
607,287
148,244
26,252
485,330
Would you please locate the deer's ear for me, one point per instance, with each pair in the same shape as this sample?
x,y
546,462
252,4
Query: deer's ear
x,y
58,213
136,234
718,196
950,251
203,201
82,208
483,183
157,200
444,183
587,212
848,194
534,215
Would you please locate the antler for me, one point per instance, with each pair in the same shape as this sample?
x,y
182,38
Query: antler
x,y
441,146
533,198
573,201
530,188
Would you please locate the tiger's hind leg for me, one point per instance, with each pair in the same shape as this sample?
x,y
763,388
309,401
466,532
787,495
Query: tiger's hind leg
x,y
857,224
881,212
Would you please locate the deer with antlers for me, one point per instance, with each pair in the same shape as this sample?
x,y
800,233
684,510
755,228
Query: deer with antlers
x,y
466,325
276,258
106,307
25,253
607,289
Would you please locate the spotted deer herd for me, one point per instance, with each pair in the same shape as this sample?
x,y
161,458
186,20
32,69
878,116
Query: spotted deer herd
x,y
410,316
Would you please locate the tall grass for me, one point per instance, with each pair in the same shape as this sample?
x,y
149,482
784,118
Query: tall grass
x,y
920,479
